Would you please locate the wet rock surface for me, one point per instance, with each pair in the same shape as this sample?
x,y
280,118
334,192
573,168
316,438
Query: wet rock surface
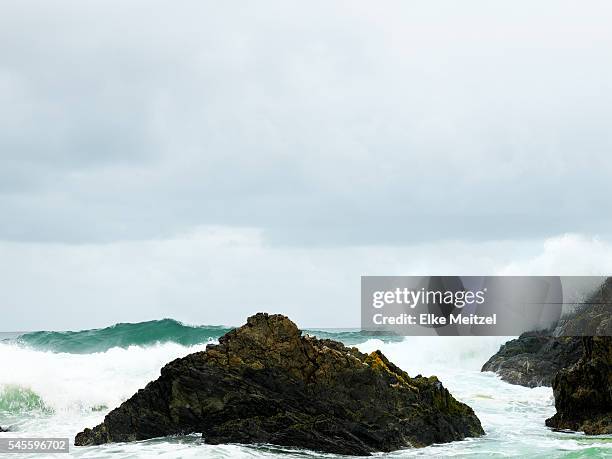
x,y
266,383
583,392
534,358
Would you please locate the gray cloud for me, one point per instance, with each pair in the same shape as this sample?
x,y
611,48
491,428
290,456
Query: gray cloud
x,y
319,124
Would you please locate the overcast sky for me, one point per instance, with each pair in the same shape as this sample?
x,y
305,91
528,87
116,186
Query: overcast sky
x,y
206,160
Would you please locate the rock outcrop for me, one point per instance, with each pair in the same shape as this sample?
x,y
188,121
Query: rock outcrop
x,y
266,383
3,430
534,358
583,392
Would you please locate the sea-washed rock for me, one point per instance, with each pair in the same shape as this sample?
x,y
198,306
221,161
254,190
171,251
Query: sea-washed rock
x,y
534,358
583,392
266,383
3,430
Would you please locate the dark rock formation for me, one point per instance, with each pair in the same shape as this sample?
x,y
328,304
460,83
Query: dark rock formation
x,y
534,358
583,392
265,383
3,430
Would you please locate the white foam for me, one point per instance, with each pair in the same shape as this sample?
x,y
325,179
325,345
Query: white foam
x,y
72,384
79,382
431,354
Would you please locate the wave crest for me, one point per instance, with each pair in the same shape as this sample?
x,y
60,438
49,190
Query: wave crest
x,y
121,335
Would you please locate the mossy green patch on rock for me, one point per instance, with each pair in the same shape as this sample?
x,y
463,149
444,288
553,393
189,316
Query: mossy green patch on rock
x,y
266,383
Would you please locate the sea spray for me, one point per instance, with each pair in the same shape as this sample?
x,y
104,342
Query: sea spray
x,y
432,354
15,399
82,382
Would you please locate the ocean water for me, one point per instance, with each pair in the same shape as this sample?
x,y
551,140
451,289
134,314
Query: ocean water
x,y
55,384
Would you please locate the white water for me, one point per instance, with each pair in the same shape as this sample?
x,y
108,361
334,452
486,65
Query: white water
x,y
74,387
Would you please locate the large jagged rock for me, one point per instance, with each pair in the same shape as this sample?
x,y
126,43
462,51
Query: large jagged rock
x,y
266,383
534,358
3,430
583,392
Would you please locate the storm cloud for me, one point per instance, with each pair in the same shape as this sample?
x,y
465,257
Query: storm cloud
x,y
320,127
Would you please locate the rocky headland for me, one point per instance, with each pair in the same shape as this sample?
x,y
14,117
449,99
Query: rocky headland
x,y
267,383
534,358
583,392
575,363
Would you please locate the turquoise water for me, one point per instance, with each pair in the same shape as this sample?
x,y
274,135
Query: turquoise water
x,y
57,383
121,335
152,332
